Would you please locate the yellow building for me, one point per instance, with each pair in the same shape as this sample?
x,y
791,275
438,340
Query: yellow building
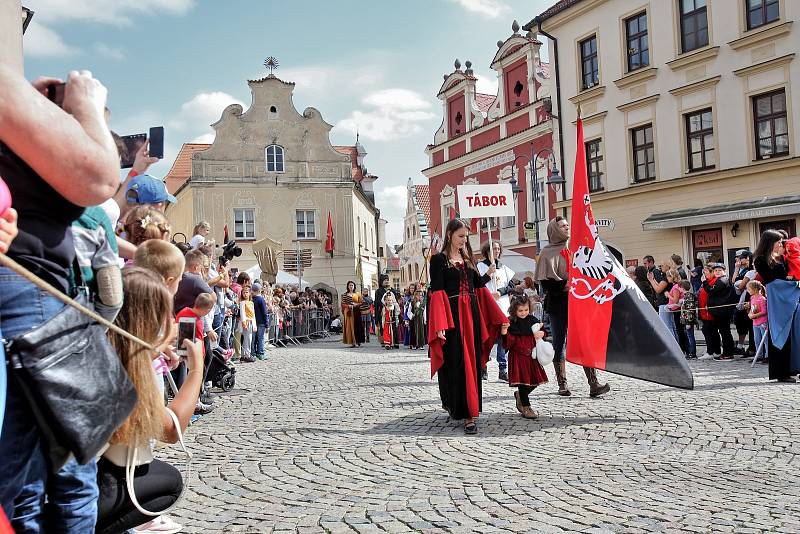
x,y
691,134
272,172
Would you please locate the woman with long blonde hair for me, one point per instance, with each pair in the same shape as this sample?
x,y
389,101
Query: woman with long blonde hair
x,y
147,314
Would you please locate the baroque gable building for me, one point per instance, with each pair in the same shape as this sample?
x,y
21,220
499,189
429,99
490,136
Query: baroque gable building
x,y
273,172
416,237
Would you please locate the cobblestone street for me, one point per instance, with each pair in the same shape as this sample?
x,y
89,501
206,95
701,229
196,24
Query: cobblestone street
x,y
321,438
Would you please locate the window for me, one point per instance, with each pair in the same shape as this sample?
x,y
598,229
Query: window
x,y
594,165
770,124
644,155
508,221
638,48
694,24
396,284
492,223
700,140
306,229
244,224
761,12
274,158
590,68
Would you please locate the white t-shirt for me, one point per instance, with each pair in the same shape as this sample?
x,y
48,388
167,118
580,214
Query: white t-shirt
x,y
197,241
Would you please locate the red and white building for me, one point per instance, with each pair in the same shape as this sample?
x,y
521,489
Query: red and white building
x,y
483,136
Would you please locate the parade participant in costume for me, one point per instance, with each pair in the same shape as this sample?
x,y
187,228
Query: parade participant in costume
x,y
379,293
366,313
390,320
416,311
524,370
781,303
352,330
463,323
500,286
551,272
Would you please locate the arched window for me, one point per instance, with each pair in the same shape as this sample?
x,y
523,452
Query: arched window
x,y
274,158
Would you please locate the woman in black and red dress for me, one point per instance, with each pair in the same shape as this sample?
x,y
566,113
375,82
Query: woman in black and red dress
x,y
463,322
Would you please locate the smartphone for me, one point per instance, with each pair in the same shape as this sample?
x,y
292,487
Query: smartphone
x,y
131,145
55,93
186,330
156,147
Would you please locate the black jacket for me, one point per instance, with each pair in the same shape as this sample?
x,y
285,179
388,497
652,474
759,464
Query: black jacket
x,y
718,294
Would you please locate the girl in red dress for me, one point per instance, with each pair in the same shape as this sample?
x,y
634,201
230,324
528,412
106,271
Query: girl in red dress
x,y
463,323
524,370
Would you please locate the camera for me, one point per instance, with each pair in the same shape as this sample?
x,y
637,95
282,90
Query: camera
x,y
229,251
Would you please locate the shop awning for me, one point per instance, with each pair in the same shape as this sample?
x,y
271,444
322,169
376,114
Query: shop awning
x,y
719,213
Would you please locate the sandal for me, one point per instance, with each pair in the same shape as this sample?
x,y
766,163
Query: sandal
x,y
470,428
518,402
528,413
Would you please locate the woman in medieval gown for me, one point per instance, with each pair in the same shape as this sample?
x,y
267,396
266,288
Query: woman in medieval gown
x,y
463,322
352,329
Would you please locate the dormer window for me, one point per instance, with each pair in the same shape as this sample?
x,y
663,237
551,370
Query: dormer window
x,y
273,109
459,118
274,158
518,88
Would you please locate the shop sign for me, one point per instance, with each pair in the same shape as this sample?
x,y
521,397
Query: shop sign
x,y
707,238
530,231
631,263
488,163
605,223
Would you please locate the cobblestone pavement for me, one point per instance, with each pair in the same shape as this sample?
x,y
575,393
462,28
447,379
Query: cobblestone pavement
x,y
321,438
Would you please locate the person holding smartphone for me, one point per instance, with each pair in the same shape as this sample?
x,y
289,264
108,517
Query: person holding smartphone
x,y
56,162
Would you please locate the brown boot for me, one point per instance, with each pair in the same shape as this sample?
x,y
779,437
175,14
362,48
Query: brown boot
x,y
561,377
595,389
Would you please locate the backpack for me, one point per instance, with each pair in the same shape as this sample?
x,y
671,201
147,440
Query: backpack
x,y
689,309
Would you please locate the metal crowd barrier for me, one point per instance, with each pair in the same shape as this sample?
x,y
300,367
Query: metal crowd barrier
x,y
295,326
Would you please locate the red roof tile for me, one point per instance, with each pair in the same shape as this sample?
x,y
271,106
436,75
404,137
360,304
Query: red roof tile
x,y
423,195
355,171
484,101
182,166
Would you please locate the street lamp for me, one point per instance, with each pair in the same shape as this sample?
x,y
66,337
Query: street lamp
x,y
555,181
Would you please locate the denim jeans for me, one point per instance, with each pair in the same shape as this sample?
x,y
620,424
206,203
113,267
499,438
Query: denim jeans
x,y
690,337
759,332
216,324
502,358
258,343
72,498
23,466
668,320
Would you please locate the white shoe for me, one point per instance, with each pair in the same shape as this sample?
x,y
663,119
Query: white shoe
x,y
708,356
162,524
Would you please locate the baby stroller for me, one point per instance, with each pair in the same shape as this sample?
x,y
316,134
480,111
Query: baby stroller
x,y
220,372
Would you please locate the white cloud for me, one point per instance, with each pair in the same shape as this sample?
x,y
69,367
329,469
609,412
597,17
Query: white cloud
x,y
327,80
205,138
486,84
109,52
396,113
116,12
41,41
391,200
491,8
202,110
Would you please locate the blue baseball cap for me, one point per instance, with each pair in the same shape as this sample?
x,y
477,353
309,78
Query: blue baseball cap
x,y
146,189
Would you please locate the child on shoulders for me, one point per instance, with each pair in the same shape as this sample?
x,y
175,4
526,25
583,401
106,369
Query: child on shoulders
x,y
524,370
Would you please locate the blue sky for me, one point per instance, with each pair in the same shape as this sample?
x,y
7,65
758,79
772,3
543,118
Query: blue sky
x,y
371,65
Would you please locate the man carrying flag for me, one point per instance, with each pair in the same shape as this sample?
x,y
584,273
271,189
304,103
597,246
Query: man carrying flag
x,y
611,325
552,271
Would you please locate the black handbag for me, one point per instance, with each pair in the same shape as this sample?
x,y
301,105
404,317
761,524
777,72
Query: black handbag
x,y
74,382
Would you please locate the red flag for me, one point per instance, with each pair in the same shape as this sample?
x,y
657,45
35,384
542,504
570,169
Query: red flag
x,y
452,213
225,235
611,324
329,242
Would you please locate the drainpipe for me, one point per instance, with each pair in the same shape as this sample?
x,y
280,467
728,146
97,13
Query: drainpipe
x,y
538,22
